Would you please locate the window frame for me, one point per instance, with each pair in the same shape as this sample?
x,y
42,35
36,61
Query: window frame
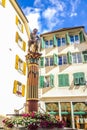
x,y
76,59
74,39
61,43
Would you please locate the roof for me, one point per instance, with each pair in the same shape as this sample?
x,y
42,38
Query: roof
x,y
62,29
21,11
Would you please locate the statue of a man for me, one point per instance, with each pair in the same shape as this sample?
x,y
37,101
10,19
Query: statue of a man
x,y
34,41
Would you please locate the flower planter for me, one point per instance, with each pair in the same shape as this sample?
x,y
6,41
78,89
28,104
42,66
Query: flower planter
x,y
23,128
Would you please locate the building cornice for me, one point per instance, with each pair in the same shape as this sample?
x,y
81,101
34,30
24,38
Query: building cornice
x,y
64,99
62,30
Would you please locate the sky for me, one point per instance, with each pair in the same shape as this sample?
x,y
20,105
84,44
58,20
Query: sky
x,y
50,15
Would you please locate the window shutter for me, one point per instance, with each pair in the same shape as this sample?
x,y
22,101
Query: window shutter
x,y
15,87
60,80
82,37
67,39
69,57
43,43
54,40
22,28
66,80
84,56
23,90
76,78
41,81
55,57
24,68
82,78
42,62
17,37
24,46
51,80
63,80
3,3
17,20
16,62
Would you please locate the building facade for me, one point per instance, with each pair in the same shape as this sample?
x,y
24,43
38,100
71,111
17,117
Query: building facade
x,y
63,75
14,34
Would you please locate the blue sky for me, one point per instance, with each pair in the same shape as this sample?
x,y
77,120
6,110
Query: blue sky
x,y
50,15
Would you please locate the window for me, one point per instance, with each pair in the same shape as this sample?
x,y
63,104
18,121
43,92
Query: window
x,y
62,60
84,56
77,58
79,78
74,39
48,43
52,107
20,42
3,2
18,88
19,24
20,65
61,42
63,80
49,61
46,62
47,81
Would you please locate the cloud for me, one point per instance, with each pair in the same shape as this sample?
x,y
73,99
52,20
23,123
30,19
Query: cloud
x,y
49,13
38,3
60,5
33,15
74,6
73,14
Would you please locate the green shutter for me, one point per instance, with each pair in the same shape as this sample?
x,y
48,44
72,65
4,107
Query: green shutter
x,y
42,62
54,41
55,59
69,57
43,43
84,56
76,78
66,79
41,84
63,80
51,80
60,80
82,78
79,78
67,39
82,37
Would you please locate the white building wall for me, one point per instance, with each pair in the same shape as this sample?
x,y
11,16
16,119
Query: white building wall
x,y
8,50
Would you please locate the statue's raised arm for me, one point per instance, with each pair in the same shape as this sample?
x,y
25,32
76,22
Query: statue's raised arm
x,y
34,41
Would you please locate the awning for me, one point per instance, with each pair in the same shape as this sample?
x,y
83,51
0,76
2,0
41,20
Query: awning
x,y
65,113
53,113
79,113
